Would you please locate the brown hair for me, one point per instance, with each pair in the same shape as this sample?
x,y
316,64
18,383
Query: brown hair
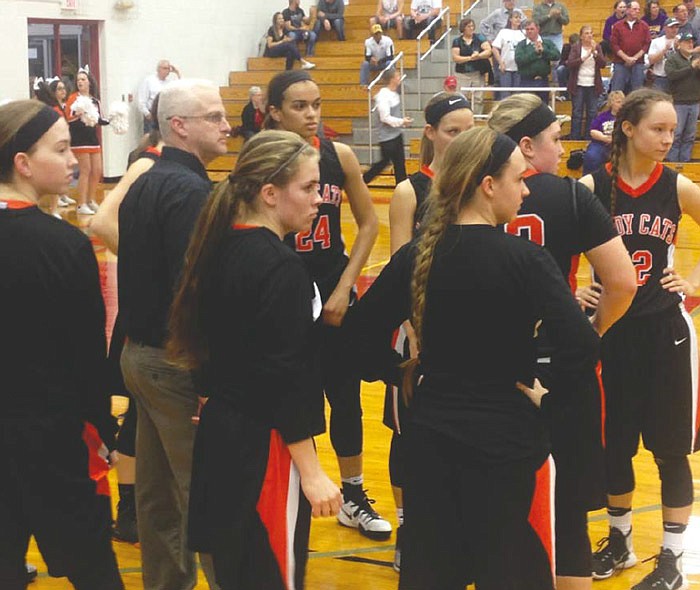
x,y
633,110
267,157
465,158
13,116
512,110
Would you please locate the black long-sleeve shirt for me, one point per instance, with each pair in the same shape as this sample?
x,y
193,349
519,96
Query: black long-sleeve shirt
x,y
259,325
486,293
52,334
156,220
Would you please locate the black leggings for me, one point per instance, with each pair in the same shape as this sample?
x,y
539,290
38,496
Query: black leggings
x,y
392,151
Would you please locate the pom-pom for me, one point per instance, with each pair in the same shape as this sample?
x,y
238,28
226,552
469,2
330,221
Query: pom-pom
x,y
119,117
86,110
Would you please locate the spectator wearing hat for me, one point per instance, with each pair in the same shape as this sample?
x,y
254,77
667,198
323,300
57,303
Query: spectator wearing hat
x,y
683,71
449,84
630,41
379,51
659,50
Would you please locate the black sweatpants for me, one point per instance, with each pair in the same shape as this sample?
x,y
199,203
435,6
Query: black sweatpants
x,y
467,520
392,151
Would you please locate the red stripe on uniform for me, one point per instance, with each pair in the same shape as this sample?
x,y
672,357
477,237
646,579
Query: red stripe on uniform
x,y
599,376
273,506
98,467
542,508
573,283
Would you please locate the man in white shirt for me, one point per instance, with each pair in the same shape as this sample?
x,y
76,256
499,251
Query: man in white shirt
x,y
379,51
423,13
658,51
150,88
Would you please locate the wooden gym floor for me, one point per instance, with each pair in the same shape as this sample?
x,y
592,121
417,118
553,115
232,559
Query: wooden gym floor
x,y
342,559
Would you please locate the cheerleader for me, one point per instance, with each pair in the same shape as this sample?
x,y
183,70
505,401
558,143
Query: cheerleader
x,y
649,357
85,143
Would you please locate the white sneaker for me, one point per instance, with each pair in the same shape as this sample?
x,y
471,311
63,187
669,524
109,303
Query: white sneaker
x,y
360,515
65,201
85,209
93,205
307,65
57,215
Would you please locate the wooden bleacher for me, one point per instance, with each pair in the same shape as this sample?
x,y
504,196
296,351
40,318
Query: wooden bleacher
x,y
337,74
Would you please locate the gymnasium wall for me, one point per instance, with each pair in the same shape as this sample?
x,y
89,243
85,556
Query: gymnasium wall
x,y
203,38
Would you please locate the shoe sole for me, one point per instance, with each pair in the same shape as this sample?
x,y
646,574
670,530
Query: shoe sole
x,y
344,520
631,561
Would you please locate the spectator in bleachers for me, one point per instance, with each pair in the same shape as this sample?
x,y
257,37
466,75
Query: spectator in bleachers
x,y
298,26
150,88
330,14
693,16
561,71
683,71
423,13
655,17
379,51
680,12
471,53
619,13
659,50
253,114
534,56
551,17
281,43
585,85
389,15
392,123
598,150
630,41
490,26
503,48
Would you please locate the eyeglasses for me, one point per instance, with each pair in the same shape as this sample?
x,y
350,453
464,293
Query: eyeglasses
x,y
215,118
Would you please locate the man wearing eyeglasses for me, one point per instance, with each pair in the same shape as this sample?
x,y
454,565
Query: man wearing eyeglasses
x,y
156,219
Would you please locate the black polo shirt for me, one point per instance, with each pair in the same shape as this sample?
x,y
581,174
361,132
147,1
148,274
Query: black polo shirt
x,y
155,222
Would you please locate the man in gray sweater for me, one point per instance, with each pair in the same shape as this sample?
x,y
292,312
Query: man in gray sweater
x,y
683,72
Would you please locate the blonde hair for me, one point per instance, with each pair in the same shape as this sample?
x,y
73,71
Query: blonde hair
x,y
13,116
465,158
512,110
267,157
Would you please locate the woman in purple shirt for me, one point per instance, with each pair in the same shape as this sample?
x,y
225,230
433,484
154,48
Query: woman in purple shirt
x,y
598,150
655,17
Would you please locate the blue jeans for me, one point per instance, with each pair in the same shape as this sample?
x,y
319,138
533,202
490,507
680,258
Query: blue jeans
x,y
662,83
595,156
540,83
508,79
584,99
337,23
558,40
288,49
627,78
682,148
308,36
366,68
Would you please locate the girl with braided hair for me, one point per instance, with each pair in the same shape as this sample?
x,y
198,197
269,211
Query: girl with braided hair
x,y
446,115
649,357
475,295
242,318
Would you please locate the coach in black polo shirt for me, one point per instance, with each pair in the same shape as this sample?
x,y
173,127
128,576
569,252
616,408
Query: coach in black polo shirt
x,y
156,219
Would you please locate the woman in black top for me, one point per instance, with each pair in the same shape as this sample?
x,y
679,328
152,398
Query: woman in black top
x,y
52,366
475,296
471,53
280,44
243,318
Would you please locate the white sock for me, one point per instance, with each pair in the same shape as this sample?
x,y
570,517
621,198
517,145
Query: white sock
x,y
673,538
399,516
622,523
356,480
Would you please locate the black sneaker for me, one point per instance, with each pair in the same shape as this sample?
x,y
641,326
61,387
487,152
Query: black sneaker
x,y
31,573
397,550
667,574
614,553
359,514
125,528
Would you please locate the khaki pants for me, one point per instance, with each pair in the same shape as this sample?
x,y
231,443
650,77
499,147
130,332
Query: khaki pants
x,y
471,80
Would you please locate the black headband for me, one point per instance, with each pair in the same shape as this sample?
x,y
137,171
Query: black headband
x,y
536,122
27,135
281,82
502,148
438,110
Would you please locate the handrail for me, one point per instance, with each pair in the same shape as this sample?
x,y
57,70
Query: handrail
x,y
466,12
534,89
398,59
420,58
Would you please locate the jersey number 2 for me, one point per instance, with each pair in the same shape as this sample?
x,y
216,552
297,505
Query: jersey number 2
x,y
304,241
642,260
528,226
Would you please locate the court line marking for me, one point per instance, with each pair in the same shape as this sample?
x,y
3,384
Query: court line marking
x,y
375,265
